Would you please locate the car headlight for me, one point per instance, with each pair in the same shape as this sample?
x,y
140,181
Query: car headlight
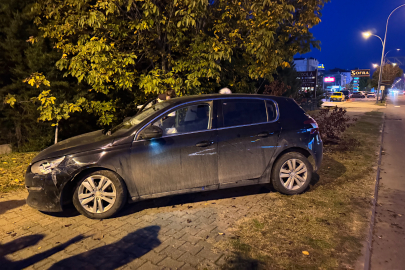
x,y
46,166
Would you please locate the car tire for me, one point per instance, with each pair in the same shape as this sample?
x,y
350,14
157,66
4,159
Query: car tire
x,y
280,183
108,189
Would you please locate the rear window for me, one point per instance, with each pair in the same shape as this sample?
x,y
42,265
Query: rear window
x,y
243,112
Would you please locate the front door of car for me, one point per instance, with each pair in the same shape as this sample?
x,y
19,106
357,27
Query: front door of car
x,y
184,157
247,138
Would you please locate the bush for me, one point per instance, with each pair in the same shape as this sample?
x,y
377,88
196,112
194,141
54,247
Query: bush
x,y
332,123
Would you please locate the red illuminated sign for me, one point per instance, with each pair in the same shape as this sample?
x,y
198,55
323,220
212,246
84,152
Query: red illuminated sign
x,y
329,79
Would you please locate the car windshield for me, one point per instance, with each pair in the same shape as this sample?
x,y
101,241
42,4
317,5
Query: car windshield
x,y
338,94
140,117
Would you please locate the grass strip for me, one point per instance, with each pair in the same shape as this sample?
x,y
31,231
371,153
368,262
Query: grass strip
x,y
323,228
12,170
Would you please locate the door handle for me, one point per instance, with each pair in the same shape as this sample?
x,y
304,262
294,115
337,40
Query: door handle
x,y
204,143
263,134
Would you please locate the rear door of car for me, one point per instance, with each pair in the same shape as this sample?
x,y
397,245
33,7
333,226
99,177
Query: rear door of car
x,y
247,137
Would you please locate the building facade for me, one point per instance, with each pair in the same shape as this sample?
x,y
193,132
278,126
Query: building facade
x,y
306,64
335,80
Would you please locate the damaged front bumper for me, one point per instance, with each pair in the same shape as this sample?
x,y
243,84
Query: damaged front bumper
x,y
44,193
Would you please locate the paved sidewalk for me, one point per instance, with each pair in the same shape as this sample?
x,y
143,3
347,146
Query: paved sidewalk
x,y
388,246
357,104
180,234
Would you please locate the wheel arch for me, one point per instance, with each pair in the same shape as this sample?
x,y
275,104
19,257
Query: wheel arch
x,y
300,150
69,188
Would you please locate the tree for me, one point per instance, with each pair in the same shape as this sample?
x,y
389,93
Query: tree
x,y
128,50
289,76
285,81
23,54
17,60
364,84
390,73
276,88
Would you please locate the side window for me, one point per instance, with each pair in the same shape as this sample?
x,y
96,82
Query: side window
x,y
184,120
243,112
271,110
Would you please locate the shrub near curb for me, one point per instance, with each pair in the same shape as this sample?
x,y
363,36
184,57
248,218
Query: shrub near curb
x,y
332,124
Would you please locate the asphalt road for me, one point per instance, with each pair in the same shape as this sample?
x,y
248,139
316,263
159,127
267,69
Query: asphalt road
x,y
388,249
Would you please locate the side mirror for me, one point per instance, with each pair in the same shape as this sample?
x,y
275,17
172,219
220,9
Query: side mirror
x,y
151,132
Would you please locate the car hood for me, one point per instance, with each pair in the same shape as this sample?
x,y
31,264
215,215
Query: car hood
x,y
81,143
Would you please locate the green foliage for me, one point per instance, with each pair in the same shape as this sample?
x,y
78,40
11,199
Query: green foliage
x,y
138,48
365,84
390,73
24,54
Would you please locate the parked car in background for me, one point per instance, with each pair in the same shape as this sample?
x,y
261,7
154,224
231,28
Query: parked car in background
x,y
337,96
370,95
181,145
358,95
346,93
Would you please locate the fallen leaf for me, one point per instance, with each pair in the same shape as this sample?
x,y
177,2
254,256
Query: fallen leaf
x,y
221,233
39,247
305,253
188,220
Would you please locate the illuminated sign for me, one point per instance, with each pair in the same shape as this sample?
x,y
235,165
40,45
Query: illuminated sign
x,y
329,79
360,73
308,78
321,67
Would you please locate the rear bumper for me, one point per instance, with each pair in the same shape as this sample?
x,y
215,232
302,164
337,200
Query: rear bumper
x,y
44,193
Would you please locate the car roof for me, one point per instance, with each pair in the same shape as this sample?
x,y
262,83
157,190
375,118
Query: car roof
x,y
220,96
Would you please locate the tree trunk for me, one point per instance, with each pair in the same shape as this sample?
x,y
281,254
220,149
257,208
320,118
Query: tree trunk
x,y
56,133
18,134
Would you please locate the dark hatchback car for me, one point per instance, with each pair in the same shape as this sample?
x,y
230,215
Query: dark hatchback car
x,y
358,95
183,145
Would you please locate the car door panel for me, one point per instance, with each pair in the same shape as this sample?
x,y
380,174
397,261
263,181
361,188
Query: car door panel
x,y
176,161
243,154
245,151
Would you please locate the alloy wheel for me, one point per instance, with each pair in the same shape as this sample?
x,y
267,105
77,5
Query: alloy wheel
x,y
97,194
293,174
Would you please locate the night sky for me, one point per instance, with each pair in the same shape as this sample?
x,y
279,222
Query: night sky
x,y
340,33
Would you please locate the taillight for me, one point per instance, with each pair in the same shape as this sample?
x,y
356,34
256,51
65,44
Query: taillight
x,y
314,124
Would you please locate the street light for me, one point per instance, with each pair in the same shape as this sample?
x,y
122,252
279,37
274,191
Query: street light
x,y
375,65
389,52
368,34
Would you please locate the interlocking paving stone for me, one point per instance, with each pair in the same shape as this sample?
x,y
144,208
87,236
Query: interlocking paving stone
x,y
180,236
172,264
150,266
172,252
209,255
